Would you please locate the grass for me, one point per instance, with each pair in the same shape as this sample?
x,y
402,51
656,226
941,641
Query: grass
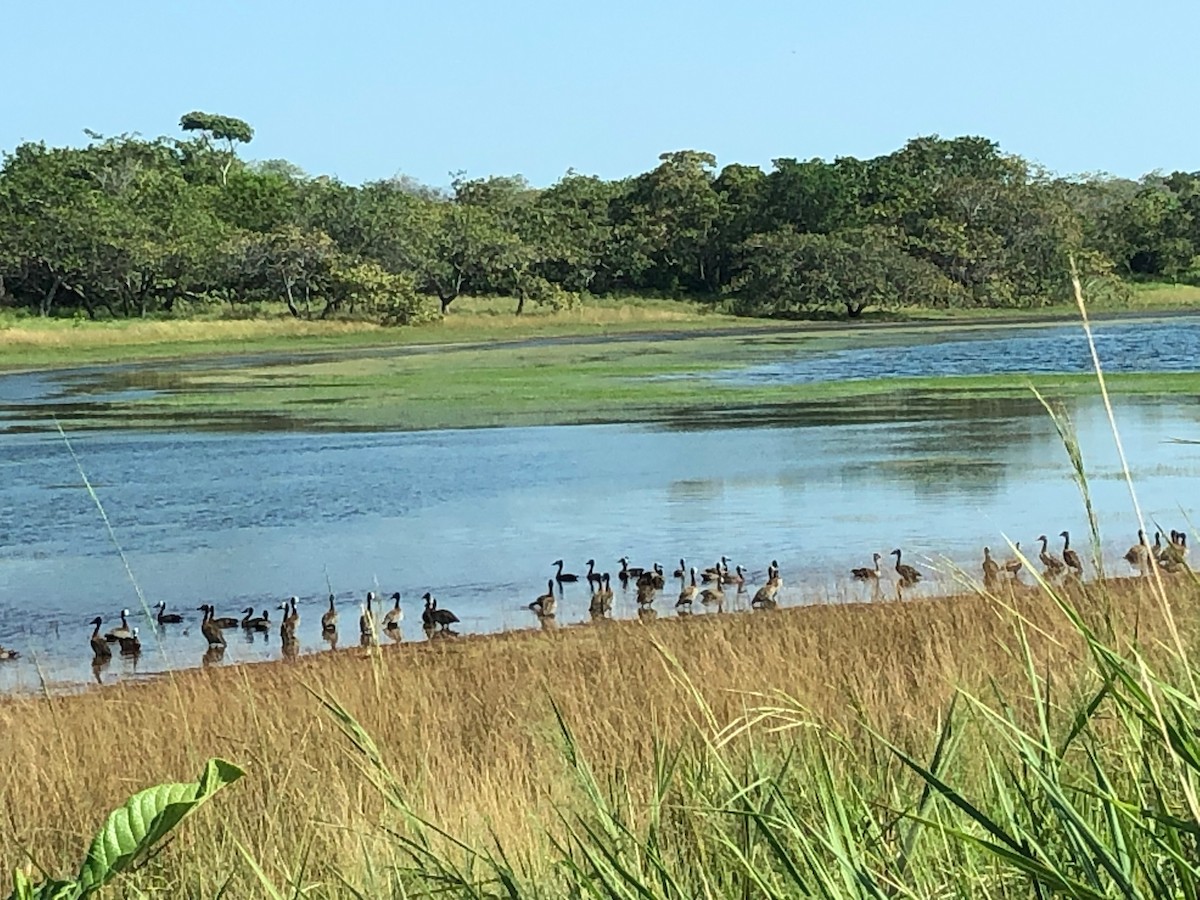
x,y
29,342
466,735
619,381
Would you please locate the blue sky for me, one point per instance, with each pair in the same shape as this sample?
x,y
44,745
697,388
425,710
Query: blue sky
x,y
364,90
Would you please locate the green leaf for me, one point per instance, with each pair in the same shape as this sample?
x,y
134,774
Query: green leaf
x,y
145,819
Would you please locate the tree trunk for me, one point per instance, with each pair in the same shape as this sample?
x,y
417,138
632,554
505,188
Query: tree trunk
x,y
854,310
47,301
291,302
520,303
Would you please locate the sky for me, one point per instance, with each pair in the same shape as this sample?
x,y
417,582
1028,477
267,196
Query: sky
x,y
368,89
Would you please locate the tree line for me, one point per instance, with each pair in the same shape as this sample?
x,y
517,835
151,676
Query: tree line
x,y
126,226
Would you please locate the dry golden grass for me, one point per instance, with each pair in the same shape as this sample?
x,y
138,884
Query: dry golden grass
x,y
468,726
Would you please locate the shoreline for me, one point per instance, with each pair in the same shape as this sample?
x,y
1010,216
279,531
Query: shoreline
x,y
585,335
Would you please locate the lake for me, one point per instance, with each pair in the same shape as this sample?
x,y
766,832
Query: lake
x,y
478,516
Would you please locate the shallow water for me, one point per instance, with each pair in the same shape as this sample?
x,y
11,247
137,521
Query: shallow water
x,y
477,516
1142,345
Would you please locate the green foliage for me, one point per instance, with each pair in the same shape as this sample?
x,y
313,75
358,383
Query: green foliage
x,y
130,227
130,834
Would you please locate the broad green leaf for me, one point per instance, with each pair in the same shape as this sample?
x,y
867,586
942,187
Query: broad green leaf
x,y
131,831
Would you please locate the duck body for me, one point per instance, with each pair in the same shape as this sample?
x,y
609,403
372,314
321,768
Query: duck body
x,y
1070,558
100,648
210,629
545,604
689,592
1051,563
329,618
865,573
907,574
164,617
563,577
123,631
391,619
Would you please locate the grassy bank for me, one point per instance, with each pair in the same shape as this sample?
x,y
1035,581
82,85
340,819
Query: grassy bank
x,y
465,735
28,342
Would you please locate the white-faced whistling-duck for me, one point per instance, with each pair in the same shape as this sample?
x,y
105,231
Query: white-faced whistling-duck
x,y
545,604
164,617
593,577
865,573
130,646
562,576
117,633
222,621
1012,565
688,593
628,571
1070,557
1139,553
908,575
329,617
251,622
210,629
366,621
991,568
100,648
391,619
713,595
602,600
1051,563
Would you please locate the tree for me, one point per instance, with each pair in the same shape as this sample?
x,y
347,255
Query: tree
x,y
213,127
789,274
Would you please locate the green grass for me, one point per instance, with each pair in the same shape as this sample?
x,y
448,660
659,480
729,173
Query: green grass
x,y
557,383
30,342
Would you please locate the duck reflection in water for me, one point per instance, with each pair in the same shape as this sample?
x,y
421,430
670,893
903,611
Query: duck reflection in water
x,y
214,655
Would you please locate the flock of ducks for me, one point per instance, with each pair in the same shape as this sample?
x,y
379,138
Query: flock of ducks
x,y
707,586
213,627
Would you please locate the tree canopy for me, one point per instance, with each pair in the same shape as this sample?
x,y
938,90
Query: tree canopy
x,y
127,226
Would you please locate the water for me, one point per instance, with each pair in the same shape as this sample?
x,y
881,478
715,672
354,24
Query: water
x,y
1165,345
477,517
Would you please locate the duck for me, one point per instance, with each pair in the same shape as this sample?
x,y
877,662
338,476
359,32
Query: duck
x,y
651,577
645,594
1012,565
291,620
562,576
714,595
117,633
1173,553
689,592
100,649
442,617
1051,563
737,576
715,573
251,622
222,621
864,573
209,627
131,645
1069,556
7,654
594,578
1138,555
329,618
627,572
991,568
545,604
164,617
682,571
908,575
765,596
391,619
366,621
